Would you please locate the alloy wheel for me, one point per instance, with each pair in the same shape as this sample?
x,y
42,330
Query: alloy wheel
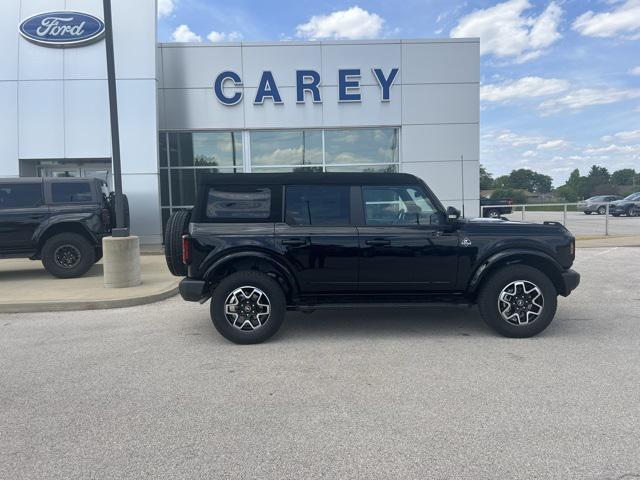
x,y
67,256
521,302
247,308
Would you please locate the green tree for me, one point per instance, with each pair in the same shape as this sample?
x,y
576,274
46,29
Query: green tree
x,y
525,179
598,175
486,179
502,181
623,177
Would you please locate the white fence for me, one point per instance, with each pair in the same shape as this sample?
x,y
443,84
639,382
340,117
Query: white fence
x,y
576,221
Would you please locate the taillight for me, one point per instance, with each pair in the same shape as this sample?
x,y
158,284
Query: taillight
x,y
186,249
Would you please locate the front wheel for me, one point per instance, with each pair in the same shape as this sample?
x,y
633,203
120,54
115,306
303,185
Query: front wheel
x,y
631,212
602,210
518,301
493,214
248,307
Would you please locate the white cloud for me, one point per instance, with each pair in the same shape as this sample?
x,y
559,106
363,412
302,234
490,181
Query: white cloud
x,y
184,34
586,97
353,23
517,140
215,37
506,32
553,144
529,153
613,148
525,87
623,20
165,7
635,71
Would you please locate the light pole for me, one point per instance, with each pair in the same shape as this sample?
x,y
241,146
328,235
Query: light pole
x,y
120,230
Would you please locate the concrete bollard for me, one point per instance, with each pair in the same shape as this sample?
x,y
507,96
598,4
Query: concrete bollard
x,y
121,262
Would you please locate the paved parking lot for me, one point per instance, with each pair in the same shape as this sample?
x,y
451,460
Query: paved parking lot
x,y
581,224
155,392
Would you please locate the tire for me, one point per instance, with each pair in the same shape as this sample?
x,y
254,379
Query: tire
x,y
98,255
177,226
493,213
260,328
500,281
68,255
630,212
602,210
125,207
586,212
615,214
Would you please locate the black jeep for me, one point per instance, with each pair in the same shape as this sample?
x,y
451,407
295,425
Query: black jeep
x,y
58,220
260,244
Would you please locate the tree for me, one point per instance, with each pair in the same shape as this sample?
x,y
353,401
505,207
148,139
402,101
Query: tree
x,y
623,177
525,179
502,181
486,179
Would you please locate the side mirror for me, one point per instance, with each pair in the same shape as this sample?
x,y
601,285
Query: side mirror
x,y
453,213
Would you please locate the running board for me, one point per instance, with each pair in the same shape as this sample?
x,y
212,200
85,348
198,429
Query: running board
x,y
333,306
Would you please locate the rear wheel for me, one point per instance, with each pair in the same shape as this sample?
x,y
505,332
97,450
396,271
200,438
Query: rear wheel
x,y
125,209
68,255
177,226
587,212
248,307
518,301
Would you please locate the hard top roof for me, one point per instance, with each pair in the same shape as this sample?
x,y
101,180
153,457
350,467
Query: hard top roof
x,y
48,179
310,178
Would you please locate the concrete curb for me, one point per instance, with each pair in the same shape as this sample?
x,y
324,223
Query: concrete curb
x,y
75,305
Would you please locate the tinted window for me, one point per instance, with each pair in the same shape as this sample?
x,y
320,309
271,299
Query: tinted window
x,y
317,205
20,195
239,202
76,192
396,206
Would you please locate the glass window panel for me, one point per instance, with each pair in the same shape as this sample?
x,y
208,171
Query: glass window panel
x,y
164,188
317,168
317,205
183,186
239,202
206,149
364,168
361,145
396,206
201,172
286,147
77,192
21,195
162,150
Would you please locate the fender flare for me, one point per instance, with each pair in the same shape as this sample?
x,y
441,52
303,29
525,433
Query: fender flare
x,y
72,218
512,255
280,265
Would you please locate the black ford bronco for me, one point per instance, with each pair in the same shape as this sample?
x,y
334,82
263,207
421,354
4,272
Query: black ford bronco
x,y
261,244
58,220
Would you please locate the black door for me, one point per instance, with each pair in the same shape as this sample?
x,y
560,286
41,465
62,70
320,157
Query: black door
x,y
318,239
405,244
21,212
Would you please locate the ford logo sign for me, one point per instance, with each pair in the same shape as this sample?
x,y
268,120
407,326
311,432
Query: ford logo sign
x,y
62,29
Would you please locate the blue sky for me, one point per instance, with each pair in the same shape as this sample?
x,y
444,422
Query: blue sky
x,y
560,80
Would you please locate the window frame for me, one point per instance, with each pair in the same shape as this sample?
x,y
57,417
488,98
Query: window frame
x,y
92,189
350,207
200,209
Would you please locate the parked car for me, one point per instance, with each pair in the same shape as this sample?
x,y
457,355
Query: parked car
x,y
495,207
597,204
260,244
629,206
60,221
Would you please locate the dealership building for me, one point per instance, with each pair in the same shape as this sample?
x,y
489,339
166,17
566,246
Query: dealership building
x,y
185,110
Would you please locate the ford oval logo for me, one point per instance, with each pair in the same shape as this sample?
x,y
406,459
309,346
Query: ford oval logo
x,y
62,29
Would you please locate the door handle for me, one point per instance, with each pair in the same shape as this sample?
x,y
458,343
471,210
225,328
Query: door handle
x,y
293,242
378,242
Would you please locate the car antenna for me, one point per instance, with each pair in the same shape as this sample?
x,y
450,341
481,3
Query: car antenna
x,y
462,177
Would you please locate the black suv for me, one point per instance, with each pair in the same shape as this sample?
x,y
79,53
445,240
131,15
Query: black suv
x,y
58,220
260,244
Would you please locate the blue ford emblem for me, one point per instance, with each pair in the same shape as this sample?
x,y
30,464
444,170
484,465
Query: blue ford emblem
x,y
62,29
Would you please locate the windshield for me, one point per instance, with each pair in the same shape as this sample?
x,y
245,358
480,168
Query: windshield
x,y
633,196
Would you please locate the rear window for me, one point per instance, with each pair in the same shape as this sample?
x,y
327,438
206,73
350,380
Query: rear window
x,y
72,192
20,195
317,205
239,203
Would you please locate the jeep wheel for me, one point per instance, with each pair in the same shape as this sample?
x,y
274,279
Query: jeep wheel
x,y
177,226
68,255
518,301
493,213
602,210
125,208
248,307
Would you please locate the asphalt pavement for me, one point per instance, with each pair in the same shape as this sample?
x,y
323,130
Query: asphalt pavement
x,y
154,392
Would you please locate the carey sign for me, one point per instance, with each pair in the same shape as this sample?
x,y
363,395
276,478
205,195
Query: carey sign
x,y
62,29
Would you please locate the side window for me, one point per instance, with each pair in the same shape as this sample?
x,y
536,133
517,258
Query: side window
x,y
72,192
20,195
241,203
317,205
396,206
